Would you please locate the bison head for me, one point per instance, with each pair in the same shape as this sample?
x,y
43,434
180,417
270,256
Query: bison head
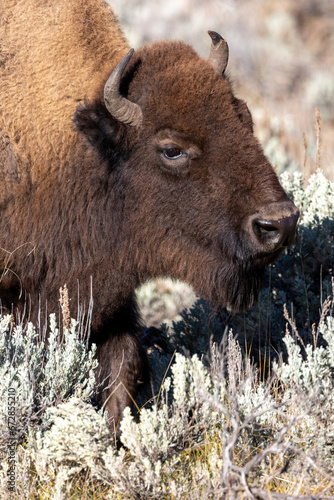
x,y
197,199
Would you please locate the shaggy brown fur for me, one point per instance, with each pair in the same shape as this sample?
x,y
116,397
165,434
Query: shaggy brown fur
x,y
113,208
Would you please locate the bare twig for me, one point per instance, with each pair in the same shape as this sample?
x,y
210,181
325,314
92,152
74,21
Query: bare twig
x,y
318,126
293,326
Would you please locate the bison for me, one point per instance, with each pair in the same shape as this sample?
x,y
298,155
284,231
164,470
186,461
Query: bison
x,y
118,167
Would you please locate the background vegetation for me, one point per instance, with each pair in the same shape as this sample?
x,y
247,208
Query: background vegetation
x,y
239,406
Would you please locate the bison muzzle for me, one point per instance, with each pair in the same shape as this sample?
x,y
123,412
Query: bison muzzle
x,y
160,175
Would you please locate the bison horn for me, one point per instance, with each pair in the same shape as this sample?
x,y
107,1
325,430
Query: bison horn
x,y
218,52
118,106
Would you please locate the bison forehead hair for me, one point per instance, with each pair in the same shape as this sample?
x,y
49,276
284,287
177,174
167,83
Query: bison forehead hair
x,y
169,78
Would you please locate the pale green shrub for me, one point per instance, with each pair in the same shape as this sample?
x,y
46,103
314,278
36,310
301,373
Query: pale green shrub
x,y
203,430
74,441
161,300
310,379
42,375
316,201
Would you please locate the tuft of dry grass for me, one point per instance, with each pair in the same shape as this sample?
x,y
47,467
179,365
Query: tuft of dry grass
x,y
65,307
318,127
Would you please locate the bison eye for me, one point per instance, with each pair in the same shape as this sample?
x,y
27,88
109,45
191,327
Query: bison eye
x,y
174,153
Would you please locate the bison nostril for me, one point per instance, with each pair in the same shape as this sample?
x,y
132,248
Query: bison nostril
x,y
273,234
267,231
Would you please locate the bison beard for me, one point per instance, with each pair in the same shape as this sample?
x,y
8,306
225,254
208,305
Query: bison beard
x,y
237,286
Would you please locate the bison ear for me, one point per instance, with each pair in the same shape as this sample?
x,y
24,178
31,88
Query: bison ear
x,y
101,130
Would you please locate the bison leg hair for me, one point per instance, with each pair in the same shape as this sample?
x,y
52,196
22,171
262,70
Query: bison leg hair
x,y
122,362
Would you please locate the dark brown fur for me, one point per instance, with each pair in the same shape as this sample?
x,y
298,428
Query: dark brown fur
x,y
107,206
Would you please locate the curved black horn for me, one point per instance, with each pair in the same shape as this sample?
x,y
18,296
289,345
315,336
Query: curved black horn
x,y
118,106
219,52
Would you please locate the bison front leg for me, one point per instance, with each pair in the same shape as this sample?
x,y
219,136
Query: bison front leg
x,y
122,366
